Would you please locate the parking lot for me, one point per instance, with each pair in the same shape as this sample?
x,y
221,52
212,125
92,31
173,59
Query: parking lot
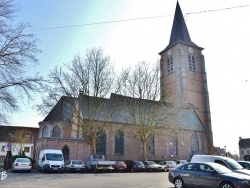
x,y
88,180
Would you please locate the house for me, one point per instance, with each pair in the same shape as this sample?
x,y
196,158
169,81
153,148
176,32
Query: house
x,y
182,68
244,148
6,143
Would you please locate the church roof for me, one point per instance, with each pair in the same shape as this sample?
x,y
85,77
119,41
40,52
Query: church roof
x,y
117,110
179,33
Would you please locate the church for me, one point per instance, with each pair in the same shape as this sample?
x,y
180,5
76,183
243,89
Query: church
x,y
182,67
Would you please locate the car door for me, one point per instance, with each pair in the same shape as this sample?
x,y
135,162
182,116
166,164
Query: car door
x,y
206,176
189,174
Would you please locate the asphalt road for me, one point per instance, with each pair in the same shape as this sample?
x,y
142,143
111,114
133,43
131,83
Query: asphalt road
x,y
88,180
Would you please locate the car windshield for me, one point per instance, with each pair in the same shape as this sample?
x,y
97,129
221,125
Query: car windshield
x,y
54,157
23,160
77,162
234,165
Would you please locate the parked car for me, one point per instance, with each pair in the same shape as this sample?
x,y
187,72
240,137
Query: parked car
x,y
245,164
21,164
167,165
120,166
135,166
151,166
207,175
180,162
75,166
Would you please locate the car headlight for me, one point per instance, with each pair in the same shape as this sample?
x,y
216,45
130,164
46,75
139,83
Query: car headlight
x,y
244,182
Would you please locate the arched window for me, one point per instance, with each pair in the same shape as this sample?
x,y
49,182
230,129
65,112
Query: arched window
x,y
65,151
191,63
56,132
45,132
101,143
194,142
170,65
119,142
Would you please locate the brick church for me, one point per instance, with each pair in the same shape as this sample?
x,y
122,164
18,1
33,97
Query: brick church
x,y
183,68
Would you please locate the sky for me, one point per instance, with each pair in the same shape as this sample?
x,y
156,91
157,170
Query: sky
x,y
130,31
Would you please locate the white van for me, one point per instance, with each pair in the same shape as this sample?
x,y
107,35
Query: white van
x,y
225,161
51,160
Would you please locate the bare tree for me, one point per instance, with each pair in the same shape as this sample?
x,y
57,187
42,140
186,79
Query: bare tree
x,y
147,115
88,80
18,51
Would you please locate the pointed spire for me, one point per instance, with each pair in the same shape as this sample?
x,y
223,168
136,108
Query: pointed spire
x,y
179,28
179,31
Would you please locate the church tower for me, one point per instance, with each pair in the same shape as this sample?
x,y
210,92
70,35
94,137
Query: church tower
x,y
183,74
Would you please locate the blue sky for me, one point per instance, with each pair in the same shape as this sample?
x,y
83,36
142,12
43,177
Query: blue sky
x,y
223,33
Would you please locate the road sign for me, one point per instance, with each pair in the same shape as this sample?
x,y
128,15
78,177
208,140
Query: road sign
x,y
9,145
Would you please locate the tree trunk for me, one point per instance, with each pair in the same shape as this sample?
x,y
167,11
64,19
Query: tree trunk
x,y
144,151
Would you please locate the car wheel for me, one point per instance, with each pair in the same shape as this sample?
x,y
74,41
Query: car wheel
x,y
132,169
150,170
44,171
178,183
226,185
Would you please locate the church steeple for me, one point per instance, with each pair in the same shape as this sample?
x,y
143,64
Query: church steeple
x,y
179,31
183,74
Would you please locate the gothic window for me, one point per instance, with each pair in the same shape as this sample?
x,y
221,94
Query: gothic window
x,y
195,142
150,146
45,131
101,143
170,65
56,132
191,63
119,142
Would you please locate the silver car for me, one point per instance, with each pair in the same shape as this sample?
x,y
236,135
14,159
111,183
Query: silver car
x,y
21,164
168,165
75,166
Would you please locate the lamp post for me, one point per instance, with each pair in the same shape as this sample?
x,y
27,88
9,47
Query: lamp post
x,y
225,150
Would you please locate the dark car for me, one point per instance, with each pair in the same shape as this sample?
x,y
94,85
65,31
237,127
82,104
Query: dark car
x,y
135,166
151,166
75,166
245,164
120,166
207,175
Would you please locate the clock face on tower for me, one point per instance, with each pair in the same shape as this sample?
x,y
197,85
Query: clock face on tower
x,y
191,50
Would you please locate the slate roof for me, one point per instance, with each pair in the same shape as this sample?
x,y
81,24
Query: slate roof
x,y
63,110
179,33
244,143
116,110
